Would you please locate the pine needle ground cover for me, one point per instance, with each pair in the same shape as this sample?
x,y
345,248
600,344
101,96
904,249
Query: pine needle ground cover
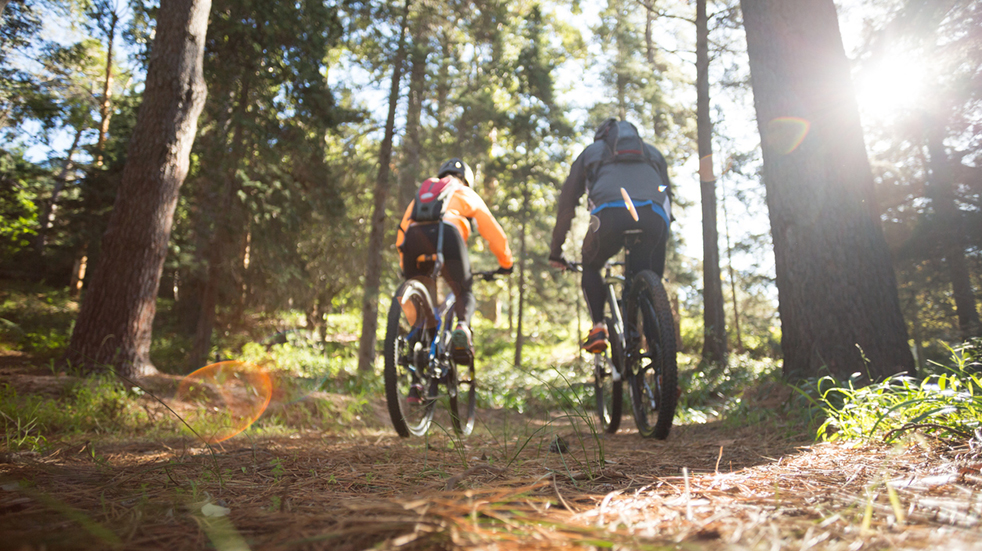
x,y
543,480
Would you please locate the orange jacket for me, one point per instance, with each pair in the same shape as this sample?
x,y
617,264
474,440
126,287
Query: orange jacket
x,y
463,204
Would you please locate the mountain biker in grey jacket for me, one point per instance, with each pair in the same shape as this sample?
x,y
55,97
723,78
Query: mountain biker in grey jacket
x,y
617,159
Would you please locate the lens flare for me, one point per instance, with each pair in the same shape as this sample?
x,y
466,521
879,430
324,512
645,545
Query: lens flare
x,y
230,396
785,134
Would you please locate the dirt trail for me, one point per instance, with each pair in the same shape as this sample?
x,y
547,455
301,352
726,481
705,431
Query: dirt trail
x,y
504,487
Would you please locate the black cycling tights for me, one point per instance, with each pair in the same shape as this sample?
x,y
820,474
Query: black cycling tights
x,y
422,239
605,239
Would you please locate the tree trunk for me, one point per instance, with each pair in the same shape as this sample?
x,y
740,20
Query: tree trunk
x,y
222,235
714,318
519,335
47,210
116,318
951,233
836,286
373,268
443,83
105,107
649,43
409,174
733,286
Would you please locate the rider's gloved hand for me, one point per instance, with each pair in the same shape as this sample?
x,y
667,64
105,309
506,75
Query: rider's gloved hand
x,y
505,271
558,262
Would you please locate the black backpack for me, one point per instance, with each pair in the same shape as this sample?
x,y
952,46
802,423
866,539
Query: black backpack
x,y
432,199
621,147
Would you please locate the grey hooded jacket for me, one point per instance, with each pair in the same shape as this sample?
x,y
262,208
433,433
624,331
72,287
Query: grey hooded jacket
x,y
643,182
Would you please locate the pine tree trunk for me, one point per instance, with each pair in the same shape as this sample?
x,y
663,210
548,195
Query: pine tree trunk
x,y
222,234
738,337
714,317
836,286
105,106
951,233
47,211
116,318
649,43
373,268
519,326
409,174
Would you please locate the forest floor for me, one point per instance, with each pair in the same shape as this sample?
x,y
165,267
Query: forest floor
x,y
357,485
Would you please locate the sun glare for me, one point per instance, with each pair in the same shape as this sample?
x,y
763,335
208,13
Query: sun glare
x,y
890,86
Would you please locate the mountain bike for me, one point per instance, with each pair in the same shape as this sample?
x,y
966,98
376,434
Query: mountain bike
x,y
642,350
608,369
418,360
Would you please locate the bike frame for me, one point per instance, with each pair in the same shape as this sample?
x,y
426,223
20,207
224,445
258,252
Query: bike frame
x,y
614,303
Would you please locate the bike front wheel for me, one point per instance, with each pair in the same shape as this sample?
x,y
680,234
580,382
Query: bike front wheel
x,y
462,387
410,389
652,369
609,393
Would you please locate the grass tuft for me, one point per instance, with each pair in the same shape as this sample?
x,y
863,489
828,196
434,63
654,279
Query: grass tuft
x,y
945,404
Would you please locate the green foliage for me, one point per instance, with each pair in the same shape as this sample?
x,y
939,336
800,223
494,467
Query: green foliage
x,y
36,319
723,392
944,404
18,207
98,405
19,214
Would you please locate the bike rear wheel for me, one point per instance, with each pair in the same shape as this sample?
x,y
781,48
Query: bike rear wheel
x,y
409,385
652,369
609,393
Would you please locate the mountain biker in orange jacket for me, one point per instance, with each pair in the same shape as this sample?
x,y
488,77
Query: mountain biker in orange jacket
x,y
616,160
420,238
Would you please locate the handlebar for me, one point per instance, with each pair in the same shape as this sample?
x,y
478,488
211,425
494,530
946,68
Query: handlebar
x,y
571,265
578,266
489,275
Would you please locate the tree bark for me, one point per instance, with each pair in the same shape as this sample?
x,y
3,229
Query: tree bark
x,y
47,211
221,236
373,268
940,190
116,318
409,174
519,324
836,287
649,43
105,107
714,317
738,337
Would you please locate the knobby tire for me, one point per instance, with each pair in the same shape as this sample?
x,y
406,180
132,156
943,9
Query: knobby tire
x,y
406,346
609,393
653,371
461,387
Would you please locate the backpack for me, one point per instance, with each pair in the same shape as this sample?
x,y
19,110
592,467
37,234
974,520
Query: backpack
x,y
622,144
432,199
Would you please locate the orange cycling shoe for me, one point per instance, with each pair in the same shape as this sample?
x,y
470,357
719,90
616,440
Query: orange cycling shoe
x,y
596,341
